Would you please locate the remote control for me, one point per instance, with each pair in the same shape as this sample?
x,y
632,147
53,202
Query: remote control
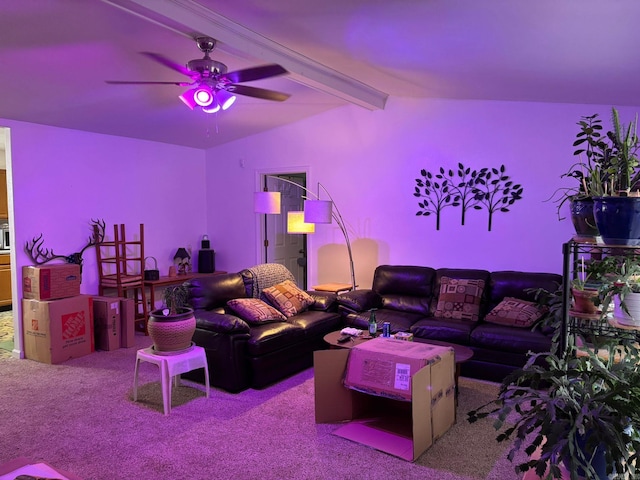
x,y
344,338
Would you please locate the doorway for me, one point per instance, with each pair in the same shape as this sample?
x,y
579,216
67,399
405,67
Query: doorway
x,y
280,247
7,321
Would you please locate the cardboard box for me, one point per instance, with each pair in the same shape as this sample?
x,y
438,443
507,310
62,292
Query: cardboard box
x,y
50,282
127,323
57,330
106,320
384,366
405,429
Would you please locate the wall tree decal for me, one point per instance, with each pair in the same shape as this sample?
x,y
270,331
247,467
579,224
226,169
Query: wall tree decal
x,y
468,189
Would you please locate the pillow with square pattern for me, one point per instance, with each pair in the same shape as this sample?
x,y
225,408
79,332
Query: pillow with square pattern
x,y
515,313
255,311
288,298
459,298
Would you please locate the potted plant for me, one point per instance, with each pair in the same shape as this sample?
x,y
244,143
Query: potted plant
x,y
171,328
616,210
582,411
590,177
620,286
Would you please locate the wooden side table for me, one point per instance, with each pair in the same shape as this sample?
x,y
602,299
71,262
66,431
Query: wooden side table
x,y
336,288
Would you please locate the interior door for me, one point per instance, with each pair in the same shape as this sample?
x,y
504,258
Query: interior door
x,y
286,249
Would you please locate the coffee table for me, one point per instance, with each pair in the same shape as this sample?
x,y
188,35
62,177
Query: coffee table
x,y
462,354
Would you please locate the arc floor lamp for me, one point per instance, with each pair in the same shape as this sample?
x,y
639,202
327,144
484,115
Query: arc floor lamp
x,y
315,211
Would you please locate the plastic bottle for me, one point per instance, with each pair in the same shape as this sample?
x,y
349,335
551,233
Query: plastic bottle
x,y
373,325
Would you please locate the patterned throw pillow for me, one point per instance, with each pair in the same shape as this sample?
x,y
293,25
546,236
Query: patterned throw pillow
x,y
459,298
255,311
515,313
288,298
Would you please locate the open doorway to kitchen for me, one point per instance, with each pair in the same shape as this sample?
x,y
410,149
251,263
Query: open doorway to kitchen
x,y
7,327
279,246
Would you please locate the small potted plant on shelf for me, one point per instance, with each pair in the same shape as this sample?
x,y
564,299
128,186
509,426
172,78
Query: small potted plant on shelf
x,y
580,410
171,328
620,286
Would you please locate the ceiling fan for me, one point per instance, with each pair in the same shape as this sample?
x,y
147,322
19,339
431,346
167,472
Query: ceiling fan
x,y
212,86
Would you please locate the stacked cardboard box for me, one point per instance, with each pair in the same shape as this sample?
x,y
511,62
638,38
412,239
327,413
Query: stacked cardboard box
x,y
57,320
60,323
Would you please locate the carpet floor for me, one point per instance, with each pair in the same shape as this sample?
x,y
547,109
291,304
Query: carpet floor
x,y
79,416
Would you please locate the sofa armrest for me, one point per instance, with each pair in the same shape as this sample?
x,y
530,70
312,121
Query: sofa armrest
x,y
360,300
220,322
324,301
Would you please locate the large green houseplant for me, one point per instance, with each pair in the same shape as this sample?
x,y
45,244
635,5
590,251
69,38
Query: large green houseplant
x,y
582,411
577,405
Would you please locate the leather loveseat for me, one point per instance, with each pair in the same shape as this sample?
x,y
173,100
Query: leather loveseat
x,y
408,297
241,354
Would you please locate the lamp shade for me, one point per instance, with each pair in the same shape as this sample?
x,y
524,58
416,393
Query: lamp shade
x,y
266,202
318,211
296,223
181,254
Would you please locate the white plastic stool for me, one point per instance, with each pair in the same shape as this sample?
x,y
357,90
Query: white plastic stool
x,y
171,366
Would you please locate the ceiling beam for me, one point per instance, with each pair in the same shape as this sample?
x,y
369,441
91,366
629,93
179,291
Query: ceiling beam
x,y
188,17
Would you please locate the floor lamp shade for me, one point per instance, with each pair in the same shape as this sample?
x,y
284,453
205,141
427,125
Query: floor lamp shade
x,y
296,223
266,202
318,211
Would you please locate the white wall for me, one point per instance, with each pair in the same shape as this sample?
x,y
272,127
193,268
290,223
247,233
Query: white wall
x,y
369,162
61,179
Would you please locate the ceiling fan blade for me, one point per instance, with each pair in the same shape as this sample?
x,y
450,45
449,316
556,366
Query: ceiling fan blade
x,y
257,92
124,82
169,63
254,73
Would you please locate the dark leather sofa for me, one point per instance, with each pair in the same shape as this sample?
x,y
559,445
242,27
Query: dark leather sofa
x,y
240,355
406,297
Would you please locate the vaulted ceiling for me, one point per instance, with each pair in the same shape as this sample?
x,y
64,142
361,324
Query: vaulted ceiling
x,y
55,56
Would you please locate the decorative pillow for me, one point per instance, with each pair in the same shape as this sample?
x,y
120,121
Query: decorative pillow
x,y
515,313
459,298
254,310
288,298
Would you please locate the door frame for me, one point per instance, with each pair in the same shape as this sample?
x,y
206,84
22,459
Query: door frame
x,y
260,218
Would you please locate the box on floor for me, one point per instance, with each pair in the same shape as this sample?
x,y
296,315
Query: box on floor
x,y
405,428
57,330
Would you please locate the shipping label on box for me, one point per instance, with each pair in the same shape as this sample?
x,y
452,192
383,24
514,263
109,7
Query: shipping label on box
x,y
50,282
106,317
57,330
384,366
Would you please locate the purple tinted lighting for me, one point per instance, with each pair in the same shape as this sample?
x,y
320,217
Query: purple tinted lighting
x,y
211,109
228,102
187,98
203,97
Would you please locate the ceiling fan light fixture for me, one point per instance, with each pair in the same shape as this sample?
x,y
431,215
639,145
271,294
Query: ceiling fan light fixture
x,y
213,108
187,98
225,99
203,97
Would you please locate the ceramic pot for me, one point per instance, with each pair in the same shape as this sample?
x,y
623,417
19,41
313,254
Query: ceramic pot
x,y
632,302
583,300
582,217
618,219
171,333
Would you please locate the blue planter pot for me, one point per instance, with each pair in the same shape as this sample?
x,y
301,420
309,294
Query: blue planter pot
x,y
582,217
618,219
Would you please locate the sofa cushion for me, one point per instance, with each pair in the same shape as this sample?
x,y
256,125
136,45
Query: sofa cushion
x,y
404,288
509,339
316,323
515,312
212,292
288,298
459,298
255,311
270,337
445,330
510,283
